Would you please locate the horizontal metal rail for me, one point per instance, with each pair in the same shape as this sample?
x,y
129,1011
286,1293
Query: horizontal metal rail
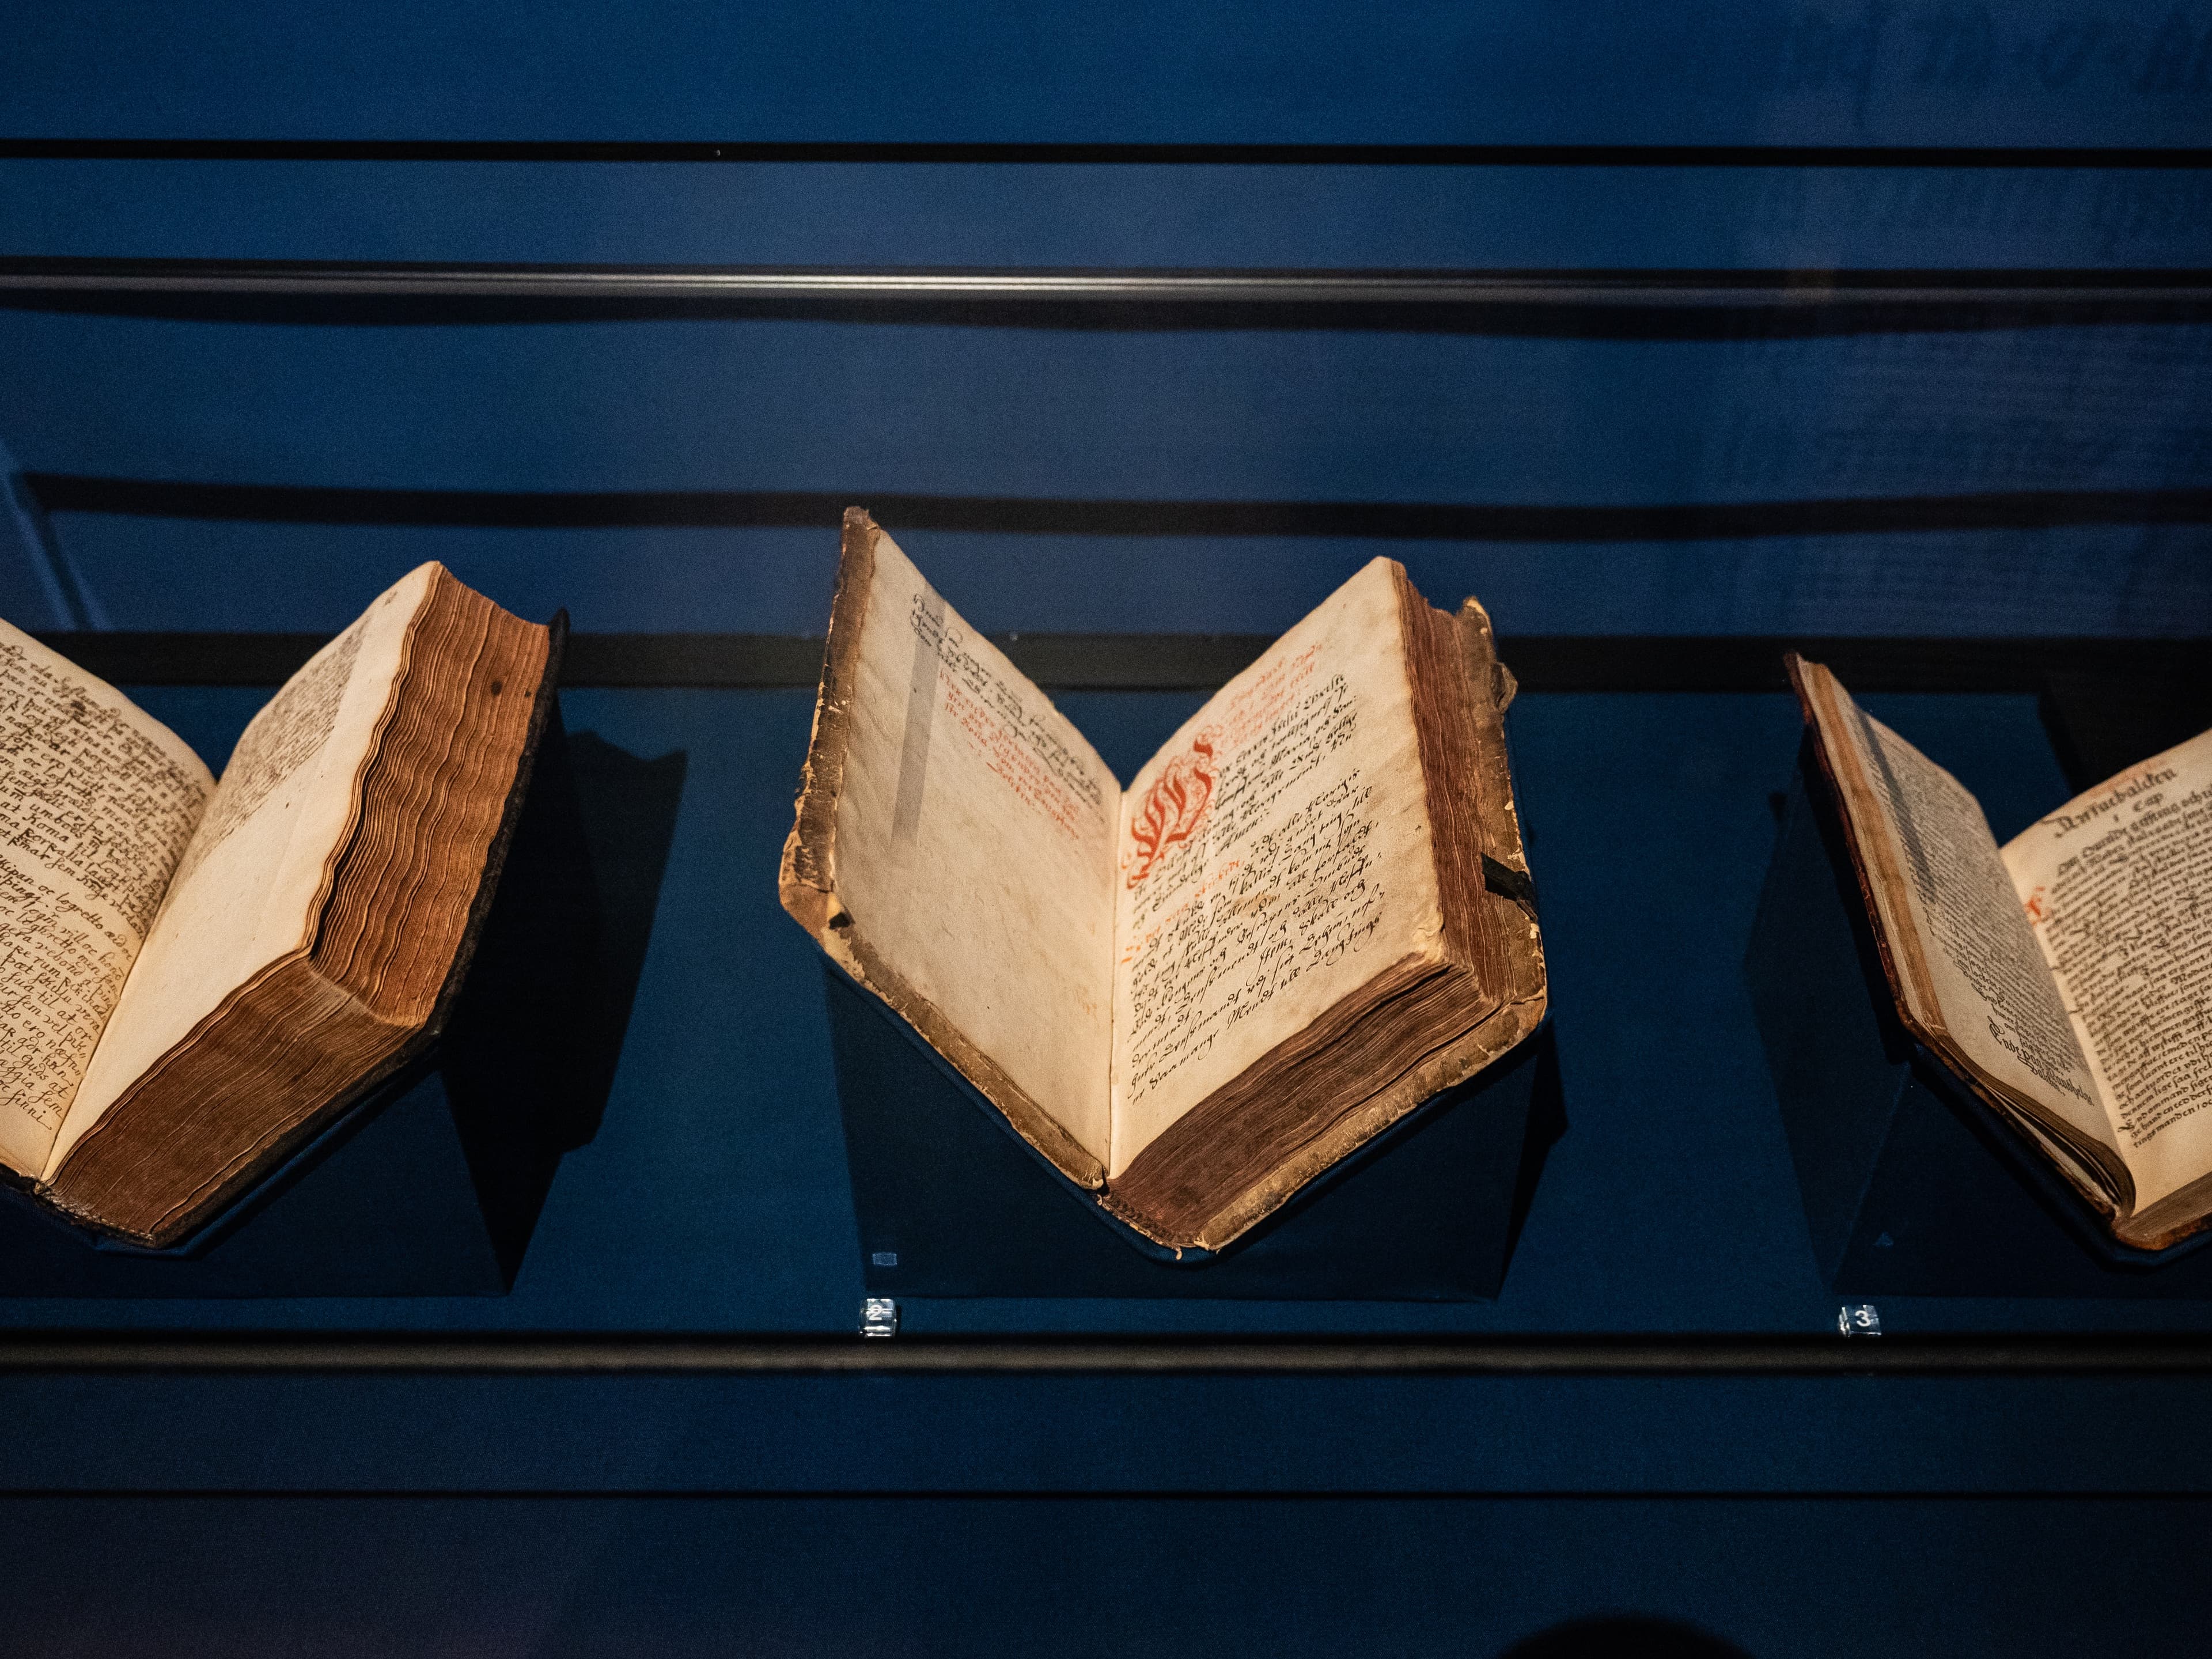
x,y
1041,515
742,1355
955,153
1179,662
1640,290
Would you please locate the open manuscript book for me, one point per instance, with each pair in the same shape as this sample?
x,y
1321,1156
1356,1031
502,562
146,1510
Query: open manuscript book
x,y
1307,914
195,976
2067,974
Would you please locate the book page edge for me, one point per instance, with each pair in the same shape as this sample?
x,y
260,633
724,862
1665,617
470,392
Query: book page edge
x,y
1899,948
1458,1061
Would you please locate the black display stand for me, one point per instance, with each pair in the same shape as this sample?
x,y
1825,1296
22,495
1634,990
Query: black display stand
x,y
432,1184
952,1203
1911,1186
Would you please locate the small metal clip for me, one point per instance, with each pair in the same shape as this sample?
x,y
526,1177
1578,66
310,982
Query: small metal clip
x,y
878,1316
1858,1319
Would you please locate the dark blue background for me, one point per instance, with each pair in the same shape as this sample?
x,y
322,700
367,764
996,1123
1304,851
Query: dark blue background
x,y
714,1196
1237,1578
860,408
1581,72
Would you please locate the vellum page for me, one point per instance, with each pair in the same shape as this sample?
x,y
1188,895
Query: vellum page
x,y
974,847
1968,961
250,888
98,801
2117,884
1274,858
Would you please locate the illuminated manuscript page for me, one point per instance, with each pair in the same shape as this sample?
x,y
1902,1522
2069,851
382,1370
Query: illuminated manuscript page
x,y
1274,859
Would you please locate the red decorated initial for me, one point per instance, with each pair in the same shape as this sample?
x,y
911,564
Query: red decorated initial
x,y
1173,807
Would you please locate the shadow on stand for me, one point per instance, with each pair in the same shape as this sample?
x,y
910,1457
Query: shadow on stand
x,y
432,1184
951,1203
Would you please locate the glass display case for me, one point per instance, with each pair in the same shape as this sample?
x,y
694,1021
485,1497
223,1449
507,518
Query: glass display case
x,y
1865,354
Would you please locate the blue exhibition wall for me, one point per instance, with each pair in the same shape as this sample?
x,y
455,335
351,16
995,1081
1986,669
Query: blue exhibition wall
x,y
1309,71
1796,453
1963,470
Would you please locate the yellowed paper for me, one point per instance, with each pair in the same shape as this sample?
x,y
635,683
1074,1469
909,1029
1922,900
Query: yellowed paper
x,y
1968,959
974,847
98,801
2118,887
1274,857
249,888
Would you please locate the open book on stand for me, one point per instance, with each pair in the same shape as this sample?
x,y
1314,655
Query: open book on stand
x,y
196,976
1309,912
2066,975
